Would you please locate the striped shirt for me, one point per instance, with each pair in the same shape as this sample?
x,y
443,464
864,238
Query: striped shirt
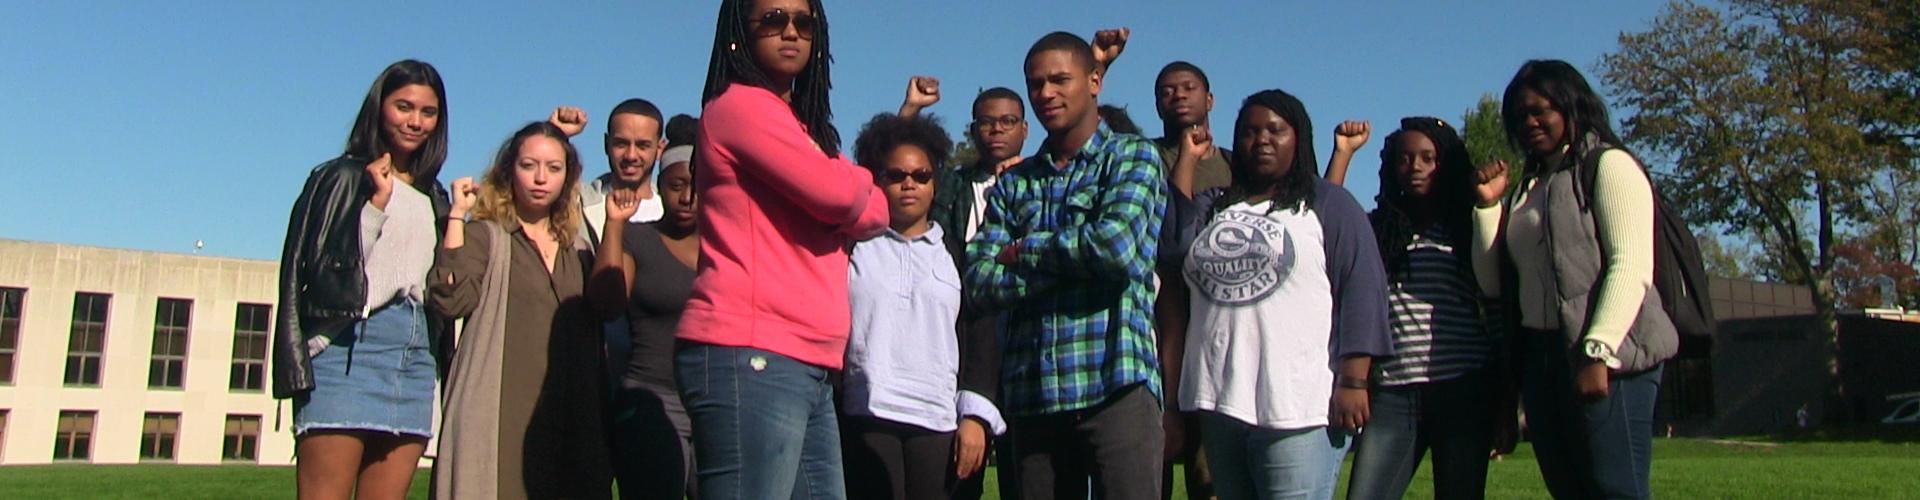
x,y
1436,322
1080,294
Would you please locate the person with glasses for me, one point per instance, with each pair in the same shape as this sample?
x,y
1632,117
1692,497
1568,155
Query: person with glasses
x,y
768,316
1287,311
902,400
1067,251
998,132
1439,389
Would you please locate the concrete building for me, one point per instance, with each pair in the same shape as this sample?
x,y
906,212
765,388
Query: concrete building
x,y
117,356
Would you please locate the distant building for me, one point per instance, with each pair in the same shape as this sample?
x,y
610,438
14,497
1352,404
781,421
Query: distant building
x,y
1768,368
118,356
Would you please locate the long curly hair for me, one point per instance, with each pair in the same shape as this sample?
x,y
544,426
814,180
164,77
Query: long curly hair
x,y
1297,187
496,188
732,62
1449,199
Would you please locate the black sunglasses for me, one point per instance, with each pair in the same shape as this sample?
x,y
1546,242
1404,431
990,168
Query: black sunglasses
x,y
775,22
892,176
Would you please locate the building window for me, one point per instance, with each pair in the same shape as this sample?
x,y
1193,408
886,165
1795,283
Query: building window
x,y
169,366
74,438
243,438
157,436
250,347
3,432
10,301
88,339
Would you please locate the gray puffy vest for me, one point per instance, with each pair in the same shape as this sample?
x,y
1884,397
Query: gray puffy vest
x,y
1574,244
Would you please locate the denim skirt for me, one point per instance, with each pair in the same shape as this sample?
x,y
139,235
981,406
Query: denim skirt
x,y
377,376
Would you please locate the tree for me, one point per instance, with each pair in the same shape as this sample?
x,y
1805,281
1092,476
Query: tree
x,y
1719,260
1779,116
1485,135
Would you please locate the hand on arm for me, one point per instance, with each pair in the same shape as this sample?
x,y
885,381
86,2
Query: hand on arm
x,y
1348,138
755,132
991,284
568,119
1118,227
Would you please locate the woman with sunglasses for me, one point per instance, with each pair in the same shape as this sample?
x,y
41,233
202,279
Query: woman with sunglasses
x,y
768,316
1438,390
901,404
1287,309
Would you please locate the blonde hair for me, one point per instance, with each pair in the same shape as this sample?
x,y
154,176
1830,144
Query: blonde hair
x,y
496,188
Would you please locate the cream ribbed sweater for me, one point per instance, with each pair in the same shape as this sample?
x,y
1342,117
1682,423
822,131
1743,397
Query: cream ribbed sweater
x,y
1623,216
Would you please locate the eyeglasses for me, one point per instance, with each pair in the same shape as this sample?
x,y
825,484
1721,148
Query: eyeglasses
x,y
987,122
776,21
892,176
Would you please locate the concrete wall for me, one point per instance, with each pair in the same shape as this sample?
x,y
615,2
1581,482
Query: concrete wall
x,y
52,273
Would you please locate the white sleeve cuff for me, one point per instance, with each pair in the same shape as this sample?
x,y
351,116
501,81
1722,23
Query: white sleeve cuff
x,y
974,405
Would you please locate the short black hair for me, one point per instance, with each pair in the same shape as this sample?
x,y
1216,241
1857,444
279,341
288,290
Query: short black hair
x,y
1118,120
682,129
1000,93
888,131
1183,67
1061,40
636,106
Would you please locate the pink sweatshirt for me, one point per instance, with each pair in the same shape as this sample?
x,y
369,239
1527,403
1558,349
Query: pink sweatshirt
x,y
776,218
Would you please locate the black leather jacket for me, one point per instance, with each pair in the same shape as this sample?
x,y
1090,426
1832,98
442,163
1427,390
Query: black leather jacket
x,y
323,287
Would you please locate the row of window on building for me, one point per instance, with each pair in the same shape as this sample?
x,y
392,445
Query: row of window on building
x,y
159,433
86,345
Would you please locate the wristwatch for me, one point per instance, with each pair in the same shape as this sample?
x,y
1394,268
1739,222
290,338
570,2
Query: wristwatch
x,y
1598,351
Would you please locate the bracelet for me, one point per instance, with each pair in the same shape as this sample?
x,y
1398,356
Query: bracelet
x,y
1353,383
461,219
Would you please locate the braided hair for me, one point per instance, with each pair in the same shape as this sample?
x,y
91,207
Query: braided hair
x,y
1297,187
732,62
1450,197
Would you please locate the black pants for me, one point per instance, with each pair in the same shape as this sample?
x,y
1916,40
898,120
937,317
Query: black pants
x,y
890,460
1116,443
653,447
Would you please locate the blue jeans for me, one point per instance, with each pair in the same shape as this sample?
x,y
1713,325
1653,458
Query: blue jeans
x,y
1251,462
763,424
1598,449
1453,417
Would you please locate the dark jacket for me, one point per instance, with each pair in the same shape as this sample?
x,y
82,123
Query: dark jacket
x,y
323,287
979,333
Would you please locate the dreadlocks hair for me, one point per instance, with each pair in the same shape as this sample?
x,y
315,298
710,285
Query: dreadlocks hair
x,y
887,132
733,62
1563,86
1449,199
1298,185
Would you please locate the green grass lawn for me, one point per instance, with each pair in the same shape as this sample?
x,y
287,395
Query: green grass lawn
x,y
1683,468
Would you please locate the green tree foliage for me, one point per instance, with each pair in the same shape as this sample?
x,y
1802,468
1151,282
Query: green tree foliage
x,y
1785,120
1486,136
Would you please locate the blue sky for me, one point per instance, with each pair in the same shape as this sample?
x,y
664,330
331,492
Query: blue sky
x,y
150,125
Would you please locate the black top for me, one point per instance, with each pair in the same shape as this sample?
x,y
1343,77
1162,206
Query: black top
x,y
661,287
